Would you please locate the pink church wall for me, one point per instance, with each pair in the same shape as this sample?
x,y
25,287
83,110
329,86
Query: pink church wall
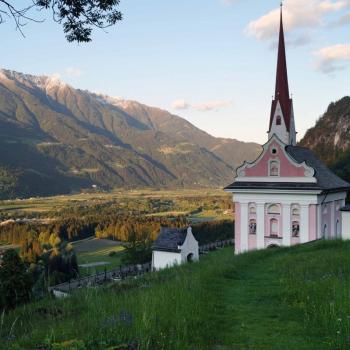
x,y
312,222
252,242
237,227
295,240
338,205
287,169
326,219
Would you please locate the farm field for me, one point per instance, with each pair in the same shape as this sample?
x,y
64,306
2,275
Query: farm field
x,y
149,202
96,255
289,298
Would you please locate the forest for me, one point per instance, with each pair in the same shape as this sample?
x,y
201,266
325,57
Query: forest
x,y
44,238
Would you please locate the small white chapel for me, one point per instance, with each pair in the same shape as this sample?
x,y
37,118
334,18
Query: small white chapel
x,y
287,195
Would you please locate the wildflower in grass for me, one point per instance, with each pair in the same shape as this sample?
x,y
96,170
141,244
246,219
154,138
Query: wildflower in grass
x,y
110,322
125,318
339,320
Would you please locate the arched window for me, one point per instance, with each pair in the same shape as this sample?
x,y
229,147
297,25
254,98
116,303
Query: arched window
x,y
278,120
295,228
274,168
252,227
295,211
252,209
274,209
274,228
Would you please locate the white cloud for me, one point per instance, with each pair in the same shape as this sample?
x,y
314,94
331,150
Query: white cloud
x,y
73,72
332,58
180,104
204,106
212,105
297,14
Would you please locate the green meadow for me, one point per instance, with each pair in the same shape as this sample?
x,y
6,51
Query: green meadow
x,y
96,255
290,298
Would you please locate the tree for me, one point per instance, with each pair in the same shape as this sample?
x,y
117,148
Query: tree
x,y
77,17
138,249
15,282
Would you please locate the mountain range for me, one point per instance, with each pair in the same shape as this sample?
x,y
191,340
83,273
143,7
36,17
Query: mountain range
x,y
55,139
330,137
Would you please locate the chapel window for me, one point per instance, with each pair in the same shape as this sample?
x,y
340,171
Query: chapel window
x,y
278,120
252,209
296,211
274,168
273,209
295,228
252,226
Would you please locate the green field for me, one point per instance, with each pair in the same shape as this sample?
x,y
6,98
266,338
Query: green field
x,y
290,298
154,203
95,252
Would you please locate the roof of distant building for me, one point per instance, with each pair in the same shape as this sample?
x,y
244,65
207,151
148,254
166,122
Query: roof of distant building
x,y
346,208
170,239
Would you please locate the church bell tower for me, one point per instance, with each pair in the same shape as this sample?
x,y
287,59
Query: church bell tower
x,y
282,115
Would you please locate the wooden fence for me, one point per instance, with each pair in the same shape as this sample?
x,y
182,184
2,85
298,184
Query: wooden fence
x,y
121,272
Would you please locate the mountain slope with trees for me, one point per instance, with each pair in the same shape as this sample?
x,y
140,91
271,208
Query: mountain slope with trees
x,y
330,137
57,139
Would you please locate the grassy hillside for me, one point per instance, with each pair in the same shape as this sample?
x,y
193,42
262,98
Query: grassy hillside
x,y
295,298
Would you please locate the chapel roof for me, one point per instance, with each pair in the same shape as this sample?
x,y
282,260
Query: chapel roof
x,y
327,181
170,239
346,208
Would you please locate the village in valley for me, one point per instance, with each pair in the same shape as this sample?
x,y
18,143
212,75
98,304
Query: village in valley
x,y
125,227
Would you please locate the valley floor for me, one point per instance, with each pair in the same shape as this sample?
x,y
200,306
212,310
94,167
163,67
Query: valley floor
x,y
294,298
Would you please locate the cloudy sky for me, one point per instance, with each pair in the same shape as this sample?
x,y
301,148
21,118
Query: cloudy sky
x,y
209,61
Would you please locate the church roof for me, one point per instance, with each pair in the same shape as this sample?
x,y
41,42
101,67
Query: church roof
x,y
170,239
346,208
282,88
326,180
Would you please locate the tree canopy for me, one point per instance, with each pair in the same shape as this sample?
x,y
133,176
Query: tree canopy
x,y
78,18
15,282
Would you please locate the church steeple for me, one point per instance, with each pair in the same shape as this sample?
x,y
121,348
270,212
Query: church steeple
x,y
282,118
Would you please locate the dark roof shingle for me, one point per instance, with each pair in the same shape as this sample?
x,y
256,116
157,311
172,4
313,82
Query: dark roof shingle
x,y
169,239
346,208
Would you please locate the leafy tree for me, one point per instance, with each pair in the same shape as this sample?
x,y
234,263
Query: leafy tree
x,y
15,282
77,17
138,249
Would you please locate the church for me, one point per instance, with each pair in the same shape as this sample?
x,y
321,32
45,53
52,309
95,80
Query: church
x,y
286,196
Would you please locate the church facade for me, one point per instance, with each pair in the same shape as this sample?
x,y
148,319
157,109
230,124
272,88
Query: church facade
x,y
286,196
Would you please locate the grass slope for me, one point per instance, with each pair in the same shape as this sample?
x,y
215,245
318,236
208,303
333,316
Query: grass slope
x,y
295,298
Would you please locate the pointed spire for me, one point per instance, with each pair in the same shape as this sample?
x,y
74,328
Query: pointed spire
x,y
282,88
282,92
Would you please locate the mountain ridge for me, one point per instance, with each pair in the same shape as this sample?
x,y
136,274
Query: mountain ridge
x,y
330,137
57,139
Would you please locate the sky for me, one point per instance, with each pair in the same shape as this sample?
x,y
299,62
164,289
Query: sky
x,y
211,62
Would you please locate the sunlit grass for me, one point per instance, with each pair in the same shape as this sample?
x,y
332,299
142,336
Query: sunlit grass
x,y
290,298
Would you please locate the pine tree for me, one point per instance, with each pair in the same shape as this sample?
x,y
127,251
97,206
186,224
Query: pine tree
x,y
15,282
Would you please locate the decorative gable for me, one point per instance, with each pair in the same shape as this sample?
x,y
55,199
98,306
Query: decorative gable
x,y
275,165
